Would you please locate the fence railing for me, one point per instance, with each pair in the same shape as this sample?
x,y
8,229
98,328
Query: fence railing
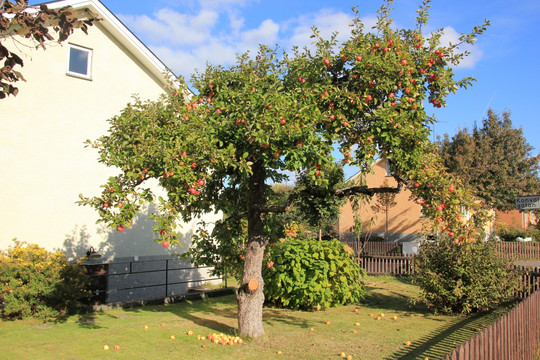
x,y
516,335
144,278
518,250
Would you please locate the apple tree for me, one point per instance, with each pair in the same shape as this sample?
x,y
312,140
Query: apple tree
x,y
18,19
248,123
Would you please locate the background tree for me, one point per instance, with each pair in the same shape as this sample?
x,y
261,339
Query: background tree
x,y
384,202
318,206
268,114
17,19
495,159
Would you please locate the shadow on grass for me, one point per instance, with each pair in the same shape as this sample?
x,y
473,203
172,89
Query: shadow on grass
x,y
381,296
276,315
440,342
216,313
88,321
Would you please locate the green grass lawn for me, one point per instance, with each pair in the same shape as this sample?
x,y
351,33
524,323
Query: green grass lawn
x,y
145,332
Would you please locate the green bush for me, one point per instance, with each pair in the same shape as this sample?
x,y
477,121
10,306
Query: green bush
x,y
37,283
303,273
510,233
458,276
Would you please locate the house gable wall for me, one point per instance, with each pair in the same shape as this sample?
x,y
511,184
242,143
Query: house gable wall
x,y
44,161
404,219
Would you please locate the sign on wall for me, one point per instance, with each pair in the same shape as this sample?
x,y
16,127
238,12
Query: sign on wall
x,y
528,202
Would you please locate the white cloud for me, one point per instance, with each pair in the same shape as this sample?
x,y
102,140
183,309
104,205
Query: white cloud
x,y
266,33
180,61
224,4
450,35
215,52
169,26
325,21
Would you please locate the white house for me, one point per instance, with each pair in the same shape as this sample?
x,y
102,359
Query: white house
x,y
71,90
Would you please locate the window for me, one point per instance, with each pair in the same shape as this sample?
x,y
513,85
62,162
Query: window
x,y
388,168
466,213
80,62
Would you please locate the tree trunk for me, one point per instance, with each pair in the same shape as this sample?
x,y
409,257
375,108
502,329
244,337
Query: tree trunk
x,y
250,293
386,226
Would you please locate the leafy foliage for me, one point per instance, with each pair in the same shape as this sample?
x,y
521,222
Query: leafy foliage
x,y
309,274
463,276
495,159
32,22
510,233
37,283
319,207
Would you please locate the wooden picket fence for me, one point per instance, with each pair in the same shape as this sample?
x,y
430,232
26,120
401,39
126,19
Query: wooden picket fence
x,y
516,335
518,250
375,247
387,265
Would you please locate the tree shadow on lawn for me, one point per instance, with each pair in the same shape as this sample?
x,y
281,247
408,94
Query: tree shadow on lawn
x,y
380,295
218,313
448,337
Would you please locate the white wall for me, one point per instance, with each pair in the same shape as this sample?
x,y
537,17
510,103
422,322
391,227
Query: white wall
x,y
44,163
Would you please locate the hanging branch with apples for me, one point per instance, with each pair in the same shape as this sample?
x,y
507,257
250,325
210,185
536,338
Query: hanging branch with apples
x,y
270,113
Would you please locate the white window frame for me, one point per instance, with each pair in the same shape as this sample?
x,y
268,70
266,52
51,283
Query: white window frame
x,y
466,213
88,75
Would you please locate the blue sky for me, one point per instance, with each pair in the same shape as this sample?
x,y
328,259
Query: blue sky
x,y
186,34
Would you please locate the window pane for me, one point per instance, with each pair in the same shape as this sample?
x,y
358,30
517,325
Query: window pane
x,y
78,61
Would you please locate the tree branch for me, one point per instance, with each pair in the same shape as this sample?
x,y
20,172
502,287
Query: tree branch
x,y
340,193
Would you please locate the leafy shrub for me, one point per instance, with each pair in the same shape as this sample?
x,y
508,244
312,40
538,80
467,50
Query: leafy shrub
x,y
37,283
463,276
510,233
303,273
